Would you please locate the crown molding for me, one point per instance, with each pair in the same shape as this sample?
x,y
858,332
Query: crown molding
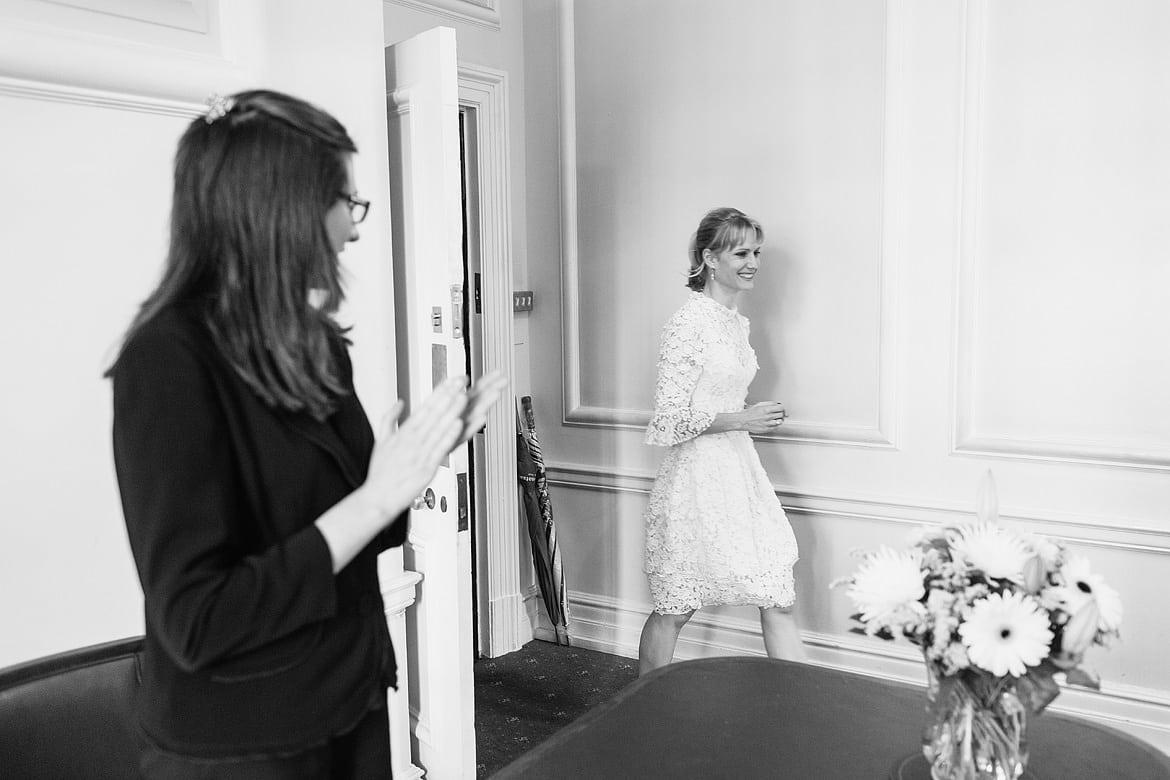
x,y
484,13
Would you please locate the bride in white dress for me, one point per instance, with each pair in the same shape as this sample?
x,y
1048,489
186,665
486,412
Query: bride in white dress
x,y
715,531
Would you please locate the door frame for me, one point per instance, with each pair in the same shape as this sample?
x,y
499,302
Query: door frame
x,y
500,599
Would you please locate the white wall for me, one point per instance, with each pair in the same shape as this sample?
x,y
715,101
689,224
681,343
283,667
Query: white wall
x,y
91,106
964,271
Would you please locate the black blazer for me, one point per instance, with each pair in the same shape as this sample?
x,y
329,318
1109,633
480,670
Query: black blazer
x,y
252,644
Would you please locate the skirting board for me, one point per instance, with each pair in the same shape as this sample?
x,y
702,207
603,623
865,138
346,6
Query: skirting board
x,y
613,626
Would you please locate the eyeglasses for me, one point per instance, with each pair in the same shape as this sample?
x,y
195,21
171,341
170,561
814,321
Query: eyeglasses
x,y
358,207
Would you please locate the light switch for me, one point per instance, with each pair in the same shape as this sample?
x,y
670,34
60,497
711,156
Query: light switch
x,y
522,300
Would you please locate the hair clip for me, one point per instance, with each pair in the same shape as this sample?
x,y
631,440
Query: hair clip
x,y
218,107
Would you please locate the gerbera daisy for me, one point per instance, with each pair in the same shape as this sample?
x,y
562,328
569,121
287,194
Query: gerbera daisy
x,y
992,549
887,581
1082,585
1006,633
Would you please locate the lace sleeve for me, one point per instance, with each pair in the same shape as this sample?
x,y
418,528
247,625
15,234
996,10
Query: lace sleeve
x,y
679,366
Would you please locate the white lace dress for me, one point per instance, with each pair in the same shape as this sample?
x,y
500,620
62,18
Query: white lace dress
x,y
715,531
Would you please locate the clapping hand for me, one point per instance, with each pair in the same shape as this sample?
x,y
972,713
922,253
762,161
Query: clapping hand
x,y
481,397
406,456
403,462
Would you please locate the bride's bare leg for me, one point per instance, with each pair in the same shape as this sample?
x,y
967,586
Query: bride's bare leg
x,y
659,637
781,636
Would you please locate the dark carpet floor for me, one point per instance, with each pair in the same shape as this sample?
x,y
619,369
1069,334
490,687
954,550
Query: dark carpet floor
x,y
523,698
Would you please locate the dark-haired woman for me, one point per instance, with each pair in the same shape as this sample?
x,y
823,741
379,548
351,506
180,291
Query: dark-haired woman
x,y
715,531
256,496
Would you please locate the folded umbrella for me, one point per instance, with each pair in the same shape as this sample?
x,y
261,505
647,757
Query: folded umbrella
x,y
536,506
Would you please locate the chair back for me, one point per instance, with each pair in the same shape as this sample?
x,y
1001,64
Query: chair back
x,y
71,715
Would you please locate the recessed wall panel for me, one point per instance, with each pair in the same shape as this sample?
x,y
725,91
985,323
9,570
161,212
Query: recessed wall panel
x,y
1069,265
784,121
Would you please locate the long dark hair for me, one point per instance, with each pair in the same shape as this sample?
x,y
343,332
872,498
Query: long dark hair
x,y
254,179
718,229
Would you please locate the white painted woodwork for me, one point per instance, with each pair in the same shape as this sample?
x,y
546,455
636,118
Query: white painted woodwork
x,y
399,591
426,219
502,619
493,81
483,13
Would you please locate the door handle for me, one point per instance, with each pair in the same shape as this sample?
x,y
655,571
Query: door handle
x,y
427,499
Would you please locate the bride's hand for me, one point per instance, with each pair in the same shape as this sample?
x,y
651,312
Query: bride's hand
x,y
764,417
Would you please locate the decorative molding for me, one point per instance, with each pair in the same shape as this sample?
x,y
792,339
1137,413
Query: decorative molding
x,y
1104,533
95,98
611,625
401,98
533,607
400,592
178,50
420,728
399,588
966,440
190,15
1092,454
793,431
895,209
484,13
882,434
508,625
485,91
570,304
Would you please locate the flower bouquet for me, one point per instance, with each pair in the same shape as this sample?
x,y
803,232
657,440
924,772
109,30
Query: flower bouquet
x,y
999,615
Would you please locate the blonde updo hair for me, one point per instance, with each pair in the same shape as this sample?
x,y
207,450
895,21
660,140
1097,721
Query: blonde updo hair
x,y
719,229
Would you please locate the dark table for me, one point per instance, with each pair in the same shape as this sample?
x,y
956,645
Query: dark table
x,y
749,718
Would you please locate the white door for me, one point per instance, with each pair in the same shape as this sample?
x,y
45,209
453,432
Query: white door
x,y
426,217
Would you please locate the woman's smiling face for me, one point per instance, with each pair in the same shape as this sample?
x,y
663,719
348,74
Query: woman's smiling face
x,y
735,267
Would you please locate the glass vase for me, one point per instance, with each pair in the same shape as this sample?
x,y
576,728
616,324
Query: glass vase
x,y
975,727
